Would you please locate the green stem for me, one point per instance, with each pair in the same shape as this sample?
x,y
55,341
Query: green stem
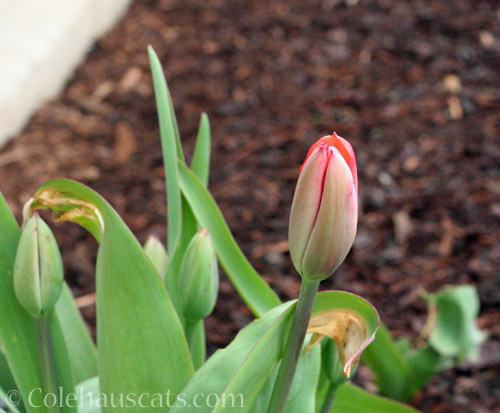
x,y
293,348
198,350
330,395
190,328
47,360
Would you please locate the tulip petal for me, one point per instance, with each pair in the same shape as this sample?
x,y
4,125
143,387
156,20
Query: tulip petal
x,y
306,203
351,163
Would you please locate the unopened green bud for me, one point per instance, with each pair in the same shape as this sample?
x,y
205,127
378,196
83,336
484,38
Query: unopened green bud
x,y
199,283
157,253
38,269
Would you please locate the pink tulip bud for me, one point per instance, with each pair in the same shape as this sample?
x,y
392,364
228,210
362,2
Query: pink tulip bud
x,y
324,209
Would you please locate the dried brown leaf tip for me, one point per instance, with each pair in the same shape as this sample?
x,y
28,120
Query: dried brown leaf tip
x,y
346,328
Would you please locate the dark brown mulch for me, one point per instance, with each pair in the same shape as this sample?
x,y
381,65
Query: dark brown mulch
x,y
413,85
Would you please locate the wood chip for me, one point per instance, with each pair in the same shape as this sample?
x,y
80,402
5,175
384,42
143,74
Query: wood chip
x,y
86,300
125,142
455,108
452,84
402,226
130,80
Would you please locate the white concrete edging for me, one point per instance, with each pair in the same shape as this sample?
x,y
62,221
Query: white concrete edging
x,y
41,44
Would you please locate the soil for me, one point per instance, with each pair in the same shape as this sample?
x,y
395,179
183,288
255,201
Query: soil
x,y
413,85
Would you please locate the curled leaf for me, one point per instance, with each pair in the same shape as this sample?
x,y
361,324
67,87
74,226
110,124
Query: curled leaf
x,y
136,319
67,207
352,329
453,326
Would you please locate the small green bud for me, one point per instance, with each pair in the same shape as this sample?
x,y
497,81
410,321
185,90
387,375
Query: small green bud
x,y
38,269
199,282
157,253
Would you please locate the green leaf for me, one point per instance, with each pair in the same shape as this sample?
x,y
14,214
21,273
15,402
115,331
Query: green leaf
x,y
389,366
162,92
5,403
171,152
141,343
7,381
81,349
256,293
424,364
302,394
244,367
181,222
262,401
455,332
201,158
88,396
61,364
180,153
302,397
351,399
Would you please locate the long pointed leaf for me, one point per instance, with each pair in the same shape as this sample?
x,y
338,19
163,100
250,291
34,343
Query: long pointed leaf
x,y
7,381
180,153
256,293
142,348
350,398
303,392
81,349
171,152
201,158
391,370
61,364
88,393
6,403
302,397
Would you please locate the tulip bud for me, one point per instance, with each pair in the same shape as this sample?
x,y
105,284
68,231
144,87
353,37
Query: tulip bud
x,y
199,277
38,269
325,209
157,254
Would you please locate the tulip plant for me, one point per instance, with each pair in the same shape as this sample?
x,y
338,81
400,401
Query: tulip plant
x,y
296,356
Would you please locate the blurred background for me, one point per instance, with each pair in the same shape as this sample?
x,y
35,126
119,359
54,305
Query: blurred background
x,y
414,86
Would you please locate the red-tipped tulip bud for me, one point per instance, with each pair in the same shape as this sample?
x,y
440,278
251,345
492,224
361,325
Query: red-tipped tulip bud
x,y
157,253
325,209
38,269
199,283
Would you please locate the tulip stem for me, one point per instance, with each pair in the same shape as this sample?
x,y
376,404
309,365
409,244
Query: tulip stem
x,y
330,395
190,328
293,348
47,359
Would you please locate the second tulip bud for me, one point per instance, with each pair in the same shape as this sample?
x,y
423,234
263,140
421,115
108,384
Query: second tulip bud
x,y
324,212
199,277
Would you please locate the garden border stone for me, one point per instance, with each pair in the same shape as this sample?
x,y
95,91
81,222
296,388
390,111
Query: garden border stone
x,y
41,44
